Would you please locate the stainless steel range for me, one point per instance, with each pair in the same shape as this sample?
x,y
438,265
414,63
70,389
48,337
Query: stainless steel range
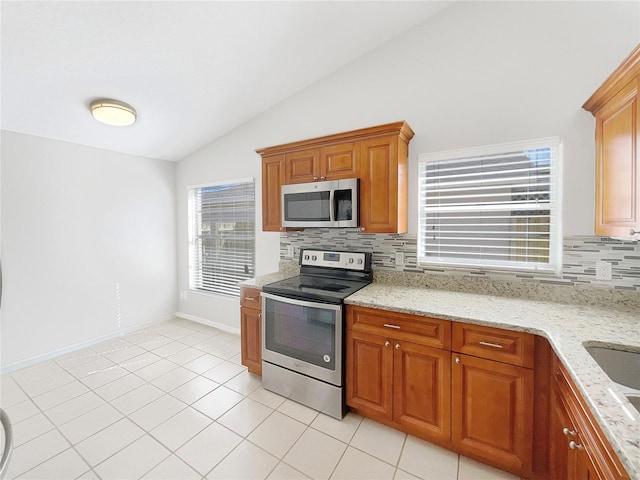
x,y
303,328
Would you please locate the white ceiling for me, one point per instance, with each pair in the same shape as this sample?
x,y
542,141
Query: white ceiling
x,y
194,70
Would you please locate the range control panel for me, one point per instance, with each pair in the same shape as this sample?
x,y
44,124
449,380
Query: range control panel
x,y
325,258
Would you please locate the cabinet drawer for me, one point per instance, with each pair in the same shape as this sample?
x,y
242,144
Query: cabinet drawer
x,y
427,331
515,348
250,298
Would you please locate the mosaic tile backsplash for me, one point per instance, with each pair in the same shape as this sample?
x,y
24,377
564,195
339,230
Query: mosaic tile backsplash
x,y
580,254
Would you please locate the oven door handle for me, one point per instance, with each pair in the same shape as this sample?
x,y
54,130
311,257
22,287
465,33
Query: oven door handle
x,y
332,205
302,303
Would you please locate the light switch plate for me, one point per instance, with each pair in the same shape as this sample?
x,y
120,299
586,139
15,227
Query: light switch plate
x,y
399,258
290,251
603,271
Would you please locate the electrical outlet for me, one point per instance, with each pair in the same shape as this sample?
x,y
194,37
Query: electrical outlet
x,y
603,271
399,258
290,251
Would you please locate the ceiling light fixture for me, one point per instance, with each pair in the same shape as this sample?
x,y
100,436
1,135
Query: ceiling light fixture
x,y
113,112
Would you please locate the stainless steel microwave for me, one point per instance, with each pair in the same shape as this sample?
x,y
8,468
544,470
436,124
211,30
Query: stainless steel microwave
x,y
321,204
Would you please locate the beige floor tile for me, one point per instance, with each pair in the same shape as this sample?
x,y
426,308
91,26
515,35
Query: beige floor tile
x,y
123,354
315,454
173,379
60,395
40,371
194,389
379,440
90,423
245,416
119,387
244,383
402,475
223,372
267,398
172,468
103,377
37,451
357,465
49,383
180,428
105,443
134,460
208,448
428,461
343,429
277,434
185,356
153,371
286,472
217,402
236,467
21,411
156,412
203,363
30,428
138,398
67,411
469,469
12,397
65,465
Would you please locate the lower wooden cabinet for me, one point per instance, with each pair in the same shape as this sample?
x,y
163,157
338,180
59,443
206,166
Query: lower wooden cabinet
x,y
251,330
492,412
578,448
401,383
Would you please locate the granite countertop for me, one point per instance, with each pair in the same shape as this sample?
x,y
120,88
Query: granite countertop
x,y
568,328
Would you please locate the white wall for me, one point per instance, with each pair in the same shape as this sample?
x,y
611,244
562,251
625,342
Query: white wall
x,y
88,244
476,74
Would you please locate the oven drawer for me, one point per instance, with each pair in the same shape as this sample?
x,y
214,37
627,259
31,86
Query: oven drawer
x,y
515,348
250,298
432,332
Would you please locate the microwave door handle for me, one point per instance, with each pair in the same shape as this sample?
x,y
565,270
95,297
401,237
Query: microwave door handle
x,y
332,206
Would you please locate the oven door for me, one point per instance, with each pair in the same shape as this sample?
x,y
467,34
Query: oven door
x,y
303,336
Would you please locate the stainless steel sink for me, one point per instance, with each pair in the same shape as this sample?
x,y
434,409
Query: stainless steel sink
x,y
635,400
621,366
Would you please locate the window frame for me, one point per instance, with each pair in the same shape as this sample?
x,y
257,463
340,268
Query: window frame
x,y
194,286
554,265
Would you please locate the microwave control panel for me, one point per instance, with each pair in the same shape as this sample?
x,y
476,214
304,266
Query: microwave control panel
x,y
332,259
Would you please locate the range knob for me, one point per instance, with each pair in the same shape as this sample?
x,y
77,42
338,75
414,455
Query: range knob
x,y
306,257
314,258
359,261
350,259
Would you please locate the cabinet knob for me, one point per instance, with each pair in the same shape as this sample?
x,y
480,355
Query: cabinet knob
x,y
633,232
568,433
260,315
458,360
315,179
362,229
397,346
387,343
323,178
575,446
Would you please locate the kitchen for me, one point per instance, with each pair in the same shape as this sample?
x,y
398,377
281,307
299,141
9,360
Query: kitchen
x,y
455,80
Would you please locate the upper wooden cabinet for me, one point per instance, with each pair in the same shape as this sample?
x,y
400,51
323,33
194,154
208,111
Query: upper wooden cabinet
x,y
615,107
375,155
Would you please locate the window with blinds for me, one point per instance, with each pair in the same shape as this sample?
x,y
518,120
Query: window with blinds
x,y
493,207
222,236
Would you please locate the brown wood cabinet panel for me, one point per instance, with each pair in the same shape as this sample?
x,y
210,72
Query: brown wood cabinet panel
x,y
251,329
422,389
272,180
302,166
492,412
340,161
515,348
618,165
383,189
401,326
615,107
561,459
591,456
369,374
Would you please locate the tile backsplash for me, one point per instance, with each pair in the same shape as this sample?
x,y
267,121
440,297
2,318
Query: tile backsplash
x,y
580,254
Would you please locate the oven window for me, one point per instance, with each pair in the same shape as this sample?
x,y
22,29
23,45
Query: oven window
x,y
307,207
304,333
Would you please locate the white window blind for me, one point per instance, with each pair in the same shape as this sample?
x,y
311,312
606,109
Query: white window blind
x,y
495,206
222,236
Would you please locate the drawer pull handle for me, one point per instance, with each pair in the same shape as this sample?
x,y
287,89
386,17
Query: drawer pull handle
x,y
575,446
251,299
488,344
387,343
568,432
388,325
397,346
458,360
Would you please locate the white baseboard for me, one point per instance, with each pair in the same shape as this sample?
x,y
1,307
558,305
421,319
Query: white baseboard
x,y
203,321
77,346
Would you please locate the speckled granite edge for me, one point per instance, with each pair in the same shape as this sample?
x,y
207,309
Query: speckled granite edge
x,y
585,295
567,328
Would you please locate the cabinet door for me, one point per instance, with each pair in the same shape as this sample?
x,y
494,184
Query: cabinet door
x,y
383,185
251,339
340,161
561,458
492,412
369,374
422,389
302,166
618,164
272,180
